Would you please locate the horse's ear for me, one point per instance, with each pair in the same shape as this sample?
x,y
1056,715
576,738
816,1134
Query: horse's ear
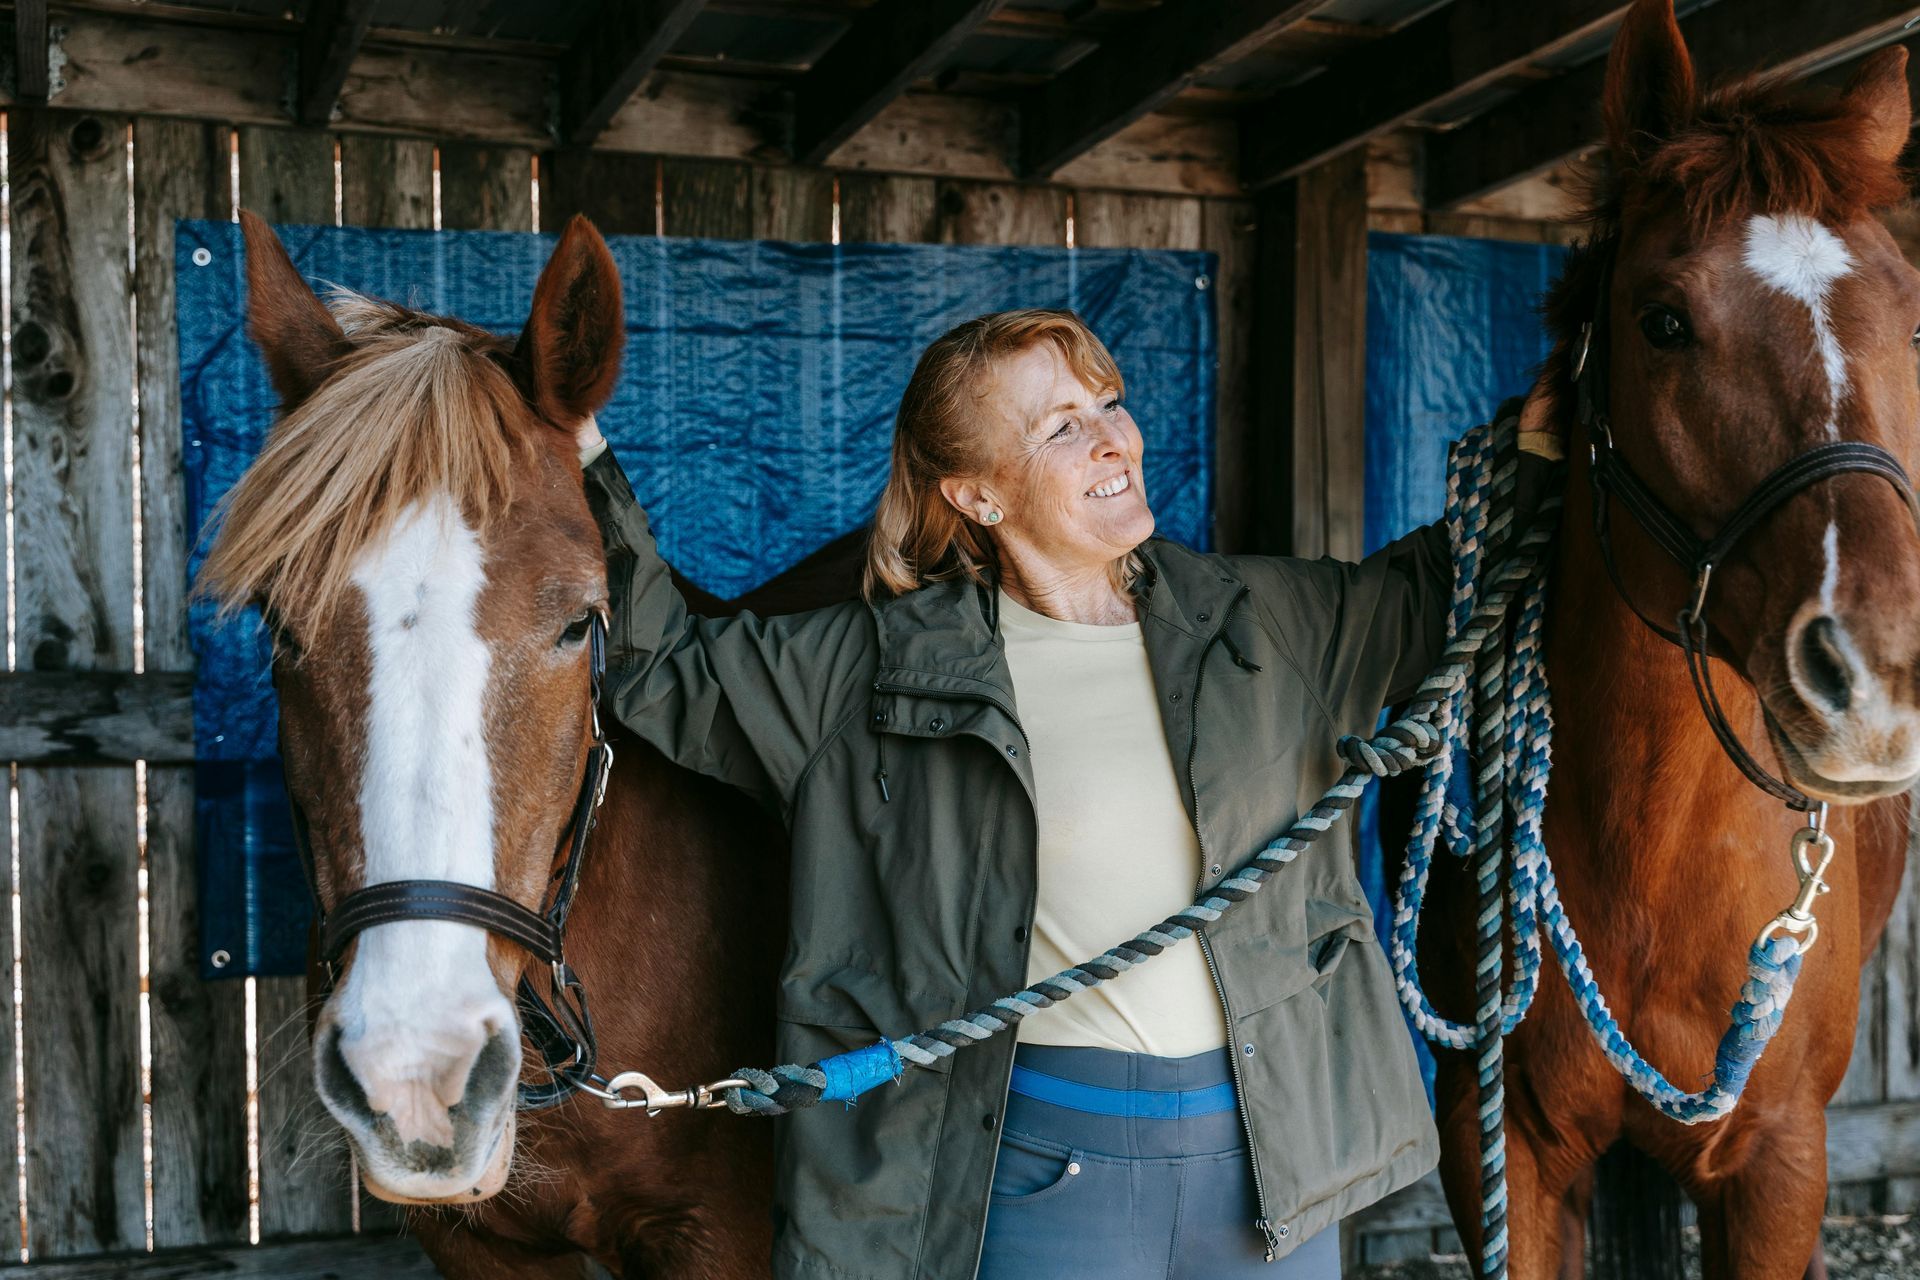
x,y
570,349
296,333
1878,91
1649,93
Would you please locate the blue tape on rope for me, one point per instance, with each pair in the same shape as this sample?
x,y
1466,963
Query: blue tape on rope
x,y
851,1074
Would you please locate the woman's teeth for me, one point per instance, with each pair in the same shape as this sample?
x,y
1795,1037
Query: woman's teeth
x,y
1118,484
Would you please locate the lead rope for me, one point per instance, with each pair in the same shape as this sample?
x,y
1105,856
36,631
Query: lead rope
x,y
1512,721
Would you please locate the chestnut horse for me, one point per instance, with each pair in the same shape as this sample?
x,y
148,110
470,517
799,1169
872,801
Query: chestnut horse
x,y
1755,309
417,530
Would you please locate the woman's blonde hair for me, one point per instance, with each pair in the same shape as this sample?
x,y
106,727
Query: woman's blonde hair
x,y
918,536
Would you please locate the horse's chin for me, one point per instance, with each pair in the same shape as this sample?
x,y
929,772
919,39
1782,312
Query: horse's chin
x,y
1801,773
409,1188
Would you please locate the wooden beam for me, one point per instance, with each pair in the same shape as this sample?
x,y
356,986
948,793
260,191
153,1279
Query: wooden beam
x,y
1543,125
30,68
888,48
329,42
620,47
1456,50
92,717
367,1255
1141,66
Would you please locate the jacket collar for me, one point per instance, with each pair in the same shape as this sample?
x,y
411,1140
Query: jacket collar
x,y
944,637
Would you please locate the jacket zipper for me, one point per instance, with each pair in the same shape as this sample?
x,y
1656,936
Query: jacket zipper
x,y
1264,1223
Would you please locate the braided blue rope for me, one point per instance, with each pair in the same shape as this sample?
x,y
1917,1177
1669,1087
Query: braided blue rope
x,y
1501,668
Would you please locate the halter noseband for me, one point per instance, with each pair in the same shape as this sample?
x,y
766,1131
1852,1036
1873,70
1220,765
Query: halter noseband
x,y
562,1031
1613,478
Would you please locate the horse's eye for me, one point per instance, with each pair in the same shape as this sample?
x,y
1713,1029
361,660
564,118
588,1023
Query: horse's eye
x,y
1916,337
1665,329
576,630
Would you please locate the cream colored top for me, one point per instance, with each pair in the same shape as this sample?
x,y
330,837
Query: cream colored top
x,y
1117,852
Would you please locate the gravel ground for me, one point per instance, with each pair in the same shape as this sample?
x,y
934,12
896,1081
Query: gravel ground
x,y
1857,1249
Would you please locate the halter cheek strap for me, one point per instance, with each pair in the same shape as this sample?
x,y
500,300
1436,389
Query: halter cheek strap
x,y
558,1024
1614,480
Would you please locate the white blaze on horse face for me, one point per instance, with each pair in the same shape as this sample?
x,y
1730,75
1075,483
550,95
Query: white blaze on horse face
x,y
1801,258
419,1001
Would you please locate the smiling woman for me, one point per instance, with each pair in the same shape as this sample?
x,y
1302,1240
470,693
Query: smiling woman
x,y
1044,728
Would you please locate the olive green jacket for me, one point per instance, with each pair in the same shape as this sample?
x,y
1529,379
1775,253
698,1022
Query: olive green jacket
x,y
912,902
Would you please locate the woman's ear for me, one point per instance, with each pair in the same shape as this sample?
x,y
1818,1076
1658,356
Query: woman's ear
x,y
969,498
570,350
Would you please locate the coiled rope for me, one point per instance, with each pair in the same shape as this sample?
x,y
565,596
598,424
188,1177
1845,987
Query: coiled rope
x,y
1493,657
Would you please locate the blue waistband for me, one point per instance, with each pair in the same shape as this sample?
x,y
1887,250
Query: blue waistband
x,y
1147,1104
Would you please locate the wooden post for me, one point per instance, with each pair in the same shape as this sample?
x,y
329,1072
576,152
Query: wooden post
x,y
1330,360
73,504
198,1028
306,1188
386,182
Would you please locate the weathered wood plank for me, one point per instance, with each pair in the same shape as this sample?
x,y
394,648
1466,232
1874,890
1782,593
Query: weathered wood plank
x,y
330,39
485,188
31,73
286,175
1000,213
792,204
386,182
1135,220
619,46
706,198
889,47
619,192
1228,229
132,61
1276,264
1138,68
73,502
879,209
96,717
305,1183
1542,125
1330,361
1899,1032
198,1029
362,1257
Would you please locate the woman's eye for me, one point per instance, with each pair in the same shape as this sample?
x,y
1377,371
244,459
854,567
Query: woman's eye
x,y
1065,427
1665,329
1111,405
576,630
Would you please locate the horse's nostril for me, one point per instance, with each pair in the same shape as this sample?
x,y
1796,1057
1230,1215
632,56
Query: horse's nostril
x,y
1824,665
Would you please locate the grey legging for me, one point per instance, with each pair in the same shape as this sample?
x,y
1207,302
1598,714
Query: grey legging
x,y
1084,1195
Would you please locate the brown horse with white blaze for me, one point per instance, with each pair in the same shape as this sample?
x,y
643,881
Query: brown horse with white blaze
x,y
1755,309
417,531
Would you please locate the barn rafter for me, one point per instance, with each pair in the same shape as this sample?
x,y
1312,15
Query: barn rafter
x,y
611,57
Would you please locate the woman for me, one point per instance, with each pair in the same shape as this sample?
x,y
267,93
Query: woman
x,y
1041,732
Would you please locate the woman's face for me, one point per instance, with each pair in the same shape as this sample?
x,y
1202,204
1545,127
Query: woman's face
x,y
1065,465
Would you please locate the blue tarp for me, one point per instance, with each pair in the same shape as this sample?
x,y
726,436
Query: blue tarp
x,y
754,414
1452,330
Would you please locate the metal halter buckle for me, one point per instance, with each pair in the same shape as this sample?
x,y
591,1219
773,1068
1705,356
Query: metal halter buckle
x,y
653,1099
1809,867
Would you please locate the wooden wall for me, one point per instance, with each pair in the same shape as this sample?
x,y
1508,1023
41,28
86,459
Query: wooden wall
x,y
100,537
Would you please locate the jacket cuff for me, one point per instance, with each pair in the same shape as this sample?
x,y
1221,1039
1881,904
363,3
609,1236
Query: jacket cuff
x,y
1543,444
589,455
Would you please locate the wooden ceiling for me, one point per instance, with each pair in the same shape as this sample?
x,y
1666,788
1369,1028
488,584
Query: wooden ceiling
x,y
1503,89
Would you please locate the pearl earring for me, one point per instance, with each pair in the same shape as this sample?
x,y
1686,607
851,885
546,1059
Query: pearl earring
x,y
993,517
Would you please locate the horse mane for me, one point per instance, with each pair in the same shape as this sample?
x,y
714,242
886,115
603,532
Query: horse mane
x,y
421,405
1758,145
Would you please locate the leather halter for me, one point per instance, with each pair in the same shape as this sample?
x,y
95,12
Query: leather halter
x,y
1612,478
561,1031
